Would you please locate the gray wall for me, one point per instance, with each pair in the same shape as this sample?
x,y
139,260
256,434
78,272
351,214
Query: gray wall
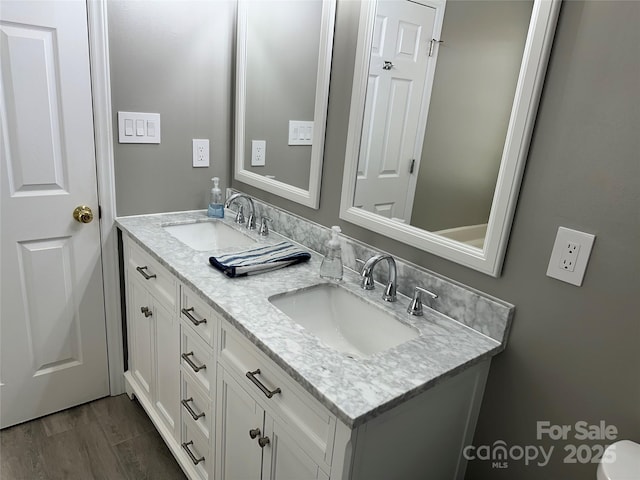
x,y
473,89
172,58
283,41
573,352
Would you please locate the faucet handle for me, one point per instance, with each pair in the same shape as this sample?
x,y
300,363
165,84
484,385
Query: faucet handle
x,y
264,229
415,307
240,215
367,277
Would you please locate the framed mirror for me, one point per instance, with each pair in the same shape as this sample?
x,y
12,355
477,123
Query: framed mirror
x,y
283,68
443,104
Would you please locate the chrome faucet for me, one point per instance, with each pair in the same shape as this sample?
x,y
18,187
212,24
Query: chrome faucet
x,y
251,220
389,294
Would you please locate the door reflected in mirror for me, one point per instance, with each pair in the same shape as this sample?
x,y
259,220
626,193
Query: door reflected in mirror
x,y
443,102
441,85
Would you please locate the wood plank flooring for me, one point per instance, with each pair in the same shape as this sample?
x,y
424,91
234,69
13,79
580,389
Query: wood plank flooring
x,y
109,439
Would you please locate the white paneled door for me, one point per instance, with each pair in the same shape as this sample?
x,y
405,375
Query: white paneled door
x,y
52,325
395,115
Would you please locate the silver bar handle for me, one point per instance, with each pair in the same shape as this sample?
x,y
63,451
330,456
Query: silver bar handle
x,y
195,367
142,272
269,393
185,404
193,319
193,458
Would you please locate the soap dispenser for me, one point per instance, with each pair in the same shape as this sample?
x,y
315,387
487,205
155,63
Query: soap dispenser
x,y
331,267
216,206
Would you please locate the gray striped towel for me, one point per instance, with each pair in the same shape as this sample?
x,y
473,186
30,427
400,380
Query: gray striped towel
x,y
259,260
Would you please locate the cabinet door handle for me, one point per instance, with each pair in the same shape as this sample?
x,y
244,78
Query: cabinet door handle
x,y
263,441
190,453
142,272
269,393
193,319
185,404
254,432
195,367
146,311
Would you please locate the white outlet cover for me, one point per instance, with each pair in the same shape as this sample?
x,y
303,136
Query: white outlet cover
x,y
200,152
585,242
258,153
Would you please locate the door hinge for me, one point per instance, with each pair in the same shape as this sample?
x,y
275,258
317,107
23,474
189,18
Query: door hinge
x,y
432,44
412,165
99,212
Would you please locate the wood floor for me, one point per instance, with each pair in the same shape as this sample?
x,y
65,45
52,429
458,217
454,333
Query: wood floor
x,y
109,439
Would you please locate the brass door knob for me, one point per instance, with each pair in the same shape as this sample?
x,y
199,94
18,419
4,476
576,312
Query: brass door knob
x,y
83,214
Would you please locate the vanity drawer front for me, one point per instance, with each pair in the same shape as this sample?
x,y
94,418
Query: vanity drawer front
x,y
198,315
196,405
157,279
310,422
196,359
197,448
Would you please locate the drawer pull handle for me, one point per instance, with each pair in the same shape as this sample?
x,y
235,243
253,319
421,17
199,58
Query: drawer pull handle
x,y
193,319
194,415
190,453
195,367
146,311
263,441
145,274
254,432
269,393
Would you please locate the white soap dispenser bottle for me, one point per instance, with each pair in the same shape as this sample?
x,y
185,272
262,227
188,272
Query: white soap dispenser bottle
x,y
216,207
331,267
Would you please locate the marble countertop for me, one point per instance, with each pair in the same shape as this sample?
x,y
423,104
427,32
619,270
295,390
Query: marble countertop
x,y
354,389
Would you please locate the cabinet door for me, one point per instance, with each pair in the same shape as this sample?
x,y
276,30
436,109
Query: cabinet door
x,y
167,362
141,342
240,456
283,459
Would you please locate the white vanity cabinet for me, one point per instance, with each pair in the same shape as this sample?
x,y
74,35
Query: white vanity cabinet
x,y
153,332
228,411
270,428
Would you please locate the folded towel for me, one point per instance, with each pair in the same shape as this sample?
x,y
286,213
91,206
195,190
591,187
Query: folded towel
x,y
259,260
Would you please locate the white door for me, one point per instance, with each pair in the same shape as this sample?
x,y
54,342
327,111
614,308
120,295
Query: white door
x,y
52,324
394,117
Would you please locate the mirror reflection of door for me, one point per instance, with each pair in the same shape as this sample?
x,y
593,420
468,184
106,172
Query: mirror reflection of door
x,y
400,78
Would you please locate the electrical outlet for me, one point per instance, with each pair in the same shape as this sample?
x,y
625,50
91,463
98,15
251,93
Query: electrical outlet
x,y
570,255
258,153
200,152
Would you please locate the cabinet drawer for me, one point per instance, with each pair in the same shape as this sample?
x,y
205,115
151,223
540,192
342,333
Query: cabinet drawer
x,y
198,314
197,448
157,279
310,422
196,359
196,405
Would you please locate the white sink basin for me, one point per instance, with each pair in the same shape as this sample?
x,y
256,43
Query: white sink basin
x,y
342,320
204,236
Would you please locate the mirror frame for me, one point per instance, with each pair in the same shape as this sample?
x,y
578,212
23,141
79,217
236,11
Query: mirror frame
x,y
311,196
529,86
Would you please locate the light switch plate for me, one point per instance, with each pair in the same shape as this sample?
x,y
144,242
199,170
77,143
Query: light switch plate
x,y
570,255
300,132
136,127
